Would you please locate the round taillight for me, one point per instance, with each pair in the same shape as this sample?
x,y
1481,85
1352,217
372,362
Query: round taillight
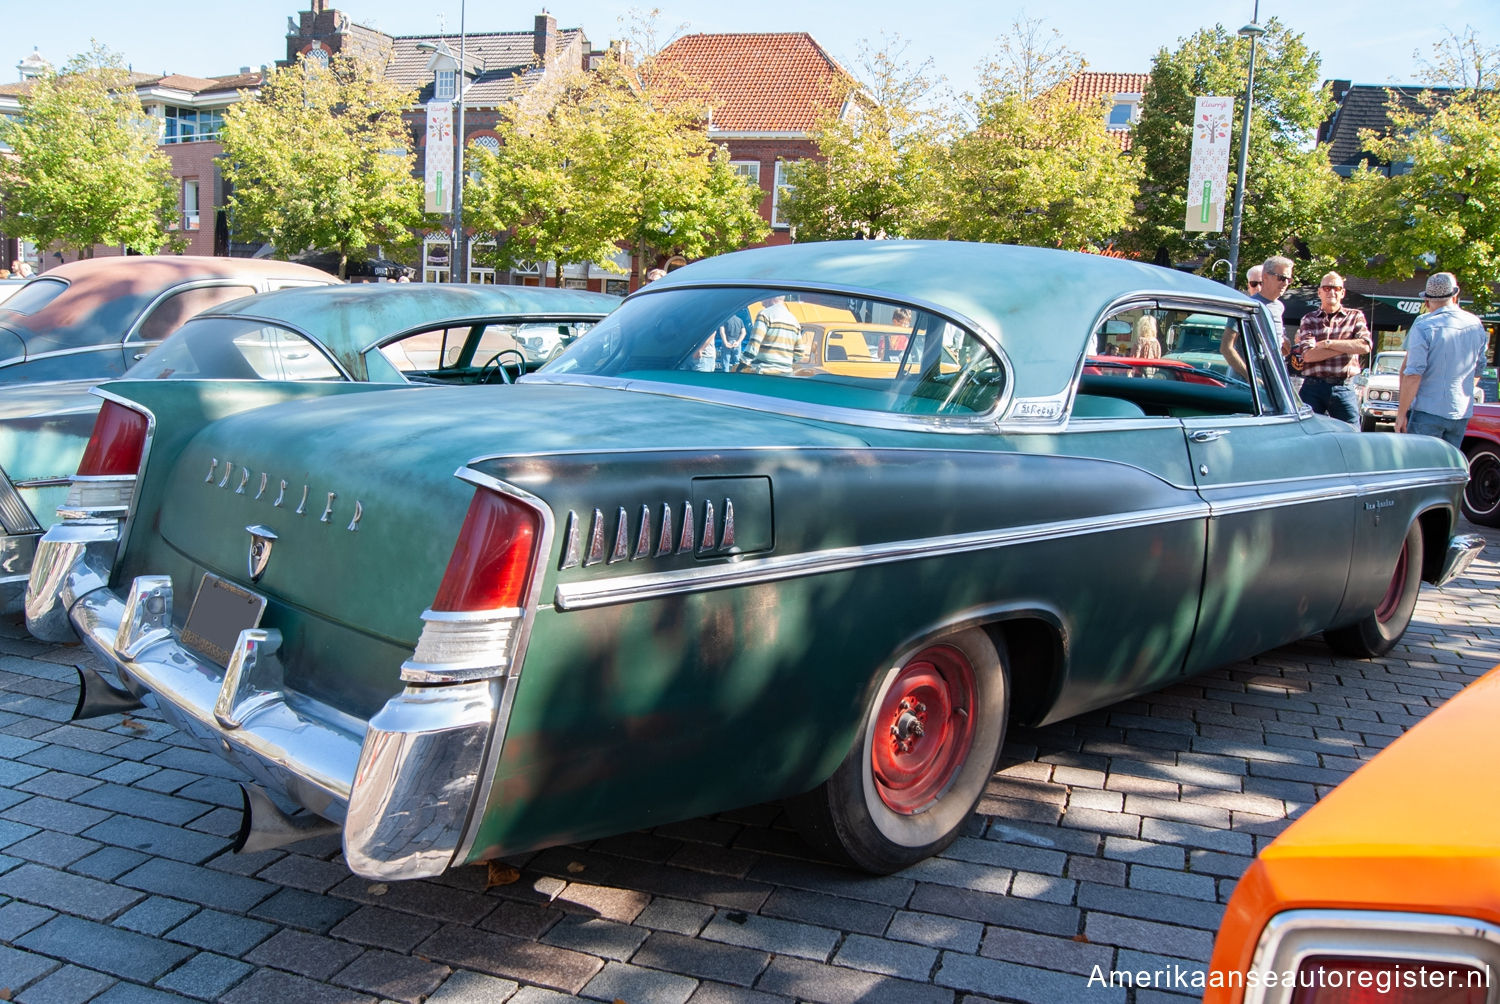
x,y
1322,979
491,565
117,444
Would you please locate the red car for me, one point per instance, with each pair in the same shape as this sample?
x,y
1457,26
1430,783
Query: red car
x,y
1156,369
1481,502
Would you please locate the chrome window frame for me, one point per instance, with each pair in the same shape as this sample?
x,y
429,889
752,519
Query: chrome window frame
x,y
1292,936
260,319
987,422
132,333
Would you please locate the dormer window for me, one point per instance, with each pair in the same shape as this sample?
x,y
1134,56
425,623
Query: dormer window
x,y
1123,112
445,88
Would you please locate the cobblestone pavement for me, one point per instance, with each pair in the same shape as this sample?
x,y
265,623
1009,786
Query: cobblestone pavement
x,y
1113,840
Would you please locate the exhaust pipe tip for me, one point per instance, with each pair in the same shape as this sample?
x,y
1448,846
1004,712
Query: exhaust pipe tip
x,y
263,824
97,696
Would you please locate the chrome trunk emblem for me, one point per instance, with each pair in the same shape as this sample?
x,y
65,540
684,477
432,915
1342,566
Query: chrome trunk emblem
x,y
261,539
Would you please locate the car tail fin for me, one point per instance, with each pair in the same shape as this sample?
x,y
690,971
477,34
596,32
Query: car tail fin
x,y
106,479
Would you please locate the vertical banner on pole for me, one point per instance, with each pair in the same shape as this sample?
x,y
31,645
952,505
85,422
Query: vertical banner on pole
x,y
1208,175
438,171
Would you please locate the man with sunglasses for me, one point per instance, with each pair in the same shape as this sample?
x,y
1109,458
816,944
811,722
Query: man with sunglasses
x,y
1252,279
1332,339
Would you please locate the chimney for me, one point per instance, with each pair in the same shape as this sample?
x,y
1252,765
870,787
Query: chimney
x,y
544,43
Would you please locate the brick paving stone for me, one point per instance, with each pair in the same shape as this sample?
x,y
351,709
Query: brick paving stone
x,y
526,920
995,978
676,915
219,821
67,893
270,985
620,981
963,874
541,995
1174,883
225,933
21,968
108,949
1222,865
125,772
718,860
69,760
700,958
205,976
59,785
824,984
1170,831
623,905
421,898
1166,939
167,781
1048,918
246,864
936,931
514,958
464,987
196,885
723,993
370,925
1047,952
214,791
16,918
876,955
309,955
892,890
109,863
68,985
51,814
1046,888
156,915
1032,835
828,911
607,939
783,937
391,976
302,872
1096,798
156,838
1091,869
1101,821
55,849
296,908
1007,855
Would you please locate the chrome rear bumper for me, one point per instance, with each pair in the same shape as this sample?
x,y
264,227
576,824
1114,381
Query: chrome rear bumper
x,y
1462,550
16,553
402,785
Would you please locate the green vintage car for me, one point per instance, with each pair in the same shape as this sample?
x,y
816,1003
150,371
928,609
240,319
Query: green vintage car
x,y
456,624
390,334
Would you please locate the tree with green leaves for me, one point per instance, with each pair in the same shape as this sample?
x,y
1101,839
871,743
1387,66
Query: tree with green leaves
x,y
1036,167
84,167
619,158
1438,212
1289,183
878,156
321,160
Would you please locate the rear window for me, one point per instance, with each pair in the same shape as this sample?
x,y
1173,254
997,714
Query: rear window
x,y
823,349
235,348
35,295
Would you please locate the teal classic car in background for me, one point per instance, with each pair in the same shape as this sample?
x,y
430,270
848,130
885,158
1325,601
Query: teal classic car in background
x,y
382,333
454,624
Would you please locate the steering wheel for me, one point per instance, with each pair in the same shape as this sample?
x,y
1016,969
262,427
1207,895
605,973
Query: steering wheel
x,y
494,367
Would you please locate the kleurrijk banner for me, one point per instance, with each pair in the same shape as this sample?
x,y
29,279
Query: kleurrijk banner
x,y
1208,175
438,170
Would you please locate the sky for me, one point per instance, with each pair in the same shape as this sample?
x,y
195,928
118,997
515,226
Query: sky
x,y
1368,41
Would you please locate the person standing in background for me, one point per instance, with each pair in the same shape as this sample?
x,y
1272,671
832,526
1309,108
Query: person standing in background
x,y
1444,359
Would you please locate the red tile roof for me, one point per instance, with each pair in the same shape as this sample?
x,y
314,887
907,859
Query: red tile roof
x,y
762,82
1089,86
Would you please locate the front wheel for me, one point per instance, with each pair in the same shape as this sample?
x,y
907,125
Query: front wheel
x,y
1377,633
1481,502
928,747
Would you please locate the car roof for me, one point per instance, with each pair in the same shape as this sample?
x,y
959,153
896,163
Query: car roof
x,y
106,295
348,320
1026,297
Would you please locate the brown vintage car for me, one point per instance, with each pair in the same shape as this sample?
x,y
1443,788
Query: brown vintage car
x,y
92,319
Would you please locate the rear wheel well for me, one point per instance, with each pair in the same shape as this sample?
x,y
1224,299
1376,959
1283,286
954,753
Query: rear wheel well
x,y
1034,649
1437,528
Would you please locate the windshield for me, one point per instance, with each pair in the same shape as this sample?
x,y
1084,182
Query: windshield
x,y
1389,365
235,348
824,349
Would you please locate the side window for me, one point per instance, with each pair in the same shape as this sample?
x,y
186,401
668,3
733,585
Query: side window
x,y
278,354
1174,363
426,351
171,313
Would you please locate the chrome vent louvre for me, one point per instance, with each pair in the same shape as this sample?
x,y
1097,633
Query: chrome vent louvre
x,y
15,517
717,536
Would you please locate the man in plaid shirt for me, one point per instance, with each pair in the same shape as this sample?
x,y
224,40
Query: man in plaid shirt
x,y
1333,338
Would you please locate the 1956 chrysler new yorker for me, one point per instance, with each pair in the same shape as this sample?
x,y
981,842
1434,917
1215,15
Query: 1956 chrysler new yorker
x,y
649,582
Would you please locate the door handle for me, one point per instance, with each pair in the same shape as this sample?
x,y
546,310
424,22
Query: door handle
x,y
1208,435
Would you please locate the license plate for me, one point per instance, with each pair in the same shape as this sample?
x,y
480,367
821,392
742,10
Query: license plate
x,y
220,611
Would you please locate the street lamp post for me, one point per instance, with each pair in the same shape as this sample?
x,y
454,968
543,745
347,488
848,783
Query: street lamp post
x,y
460,255
1253,31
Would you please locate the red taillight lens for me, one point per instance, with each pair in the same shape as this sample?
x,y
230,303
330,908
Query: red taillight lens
x,y
1328,980
493,559
118,441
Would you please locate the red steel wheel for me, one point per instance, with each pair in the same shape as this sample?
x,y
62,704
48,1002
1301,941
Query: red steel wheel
x,y
1392,602
923,729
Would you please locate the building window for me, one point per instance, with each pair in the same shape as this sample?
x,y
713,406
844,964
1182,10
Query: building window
x,y
189,125
747,169
190,203
1124,112
446,87
490,143
776,220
